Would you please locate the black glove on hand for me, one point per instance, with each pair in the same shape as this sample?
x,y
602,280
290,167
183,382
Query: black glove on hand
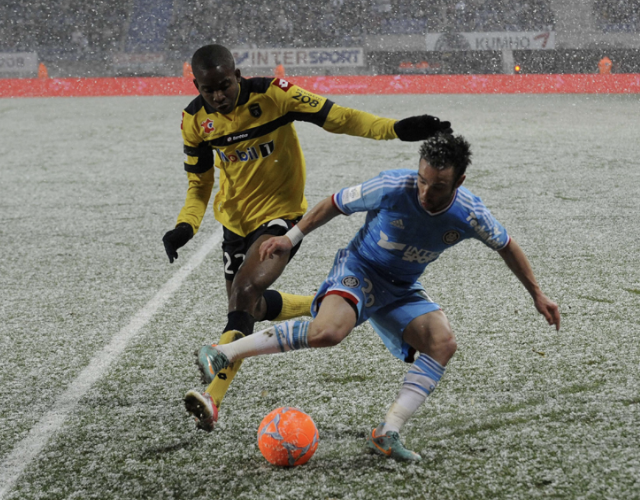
x,y
419,128
177,238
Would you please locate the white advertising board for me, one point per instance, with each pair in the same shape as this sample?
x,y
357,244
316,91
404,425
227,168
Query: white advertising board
x,y
298,58
499,40
14,63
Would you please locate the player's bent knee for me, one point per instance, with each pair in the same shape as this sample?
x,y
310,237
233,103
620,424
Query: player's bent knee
x,y
246,292
449,347
326,336
445,345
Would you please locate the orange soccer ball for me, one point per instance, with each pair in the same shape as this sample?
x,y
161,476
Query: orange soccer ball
x,y
287,437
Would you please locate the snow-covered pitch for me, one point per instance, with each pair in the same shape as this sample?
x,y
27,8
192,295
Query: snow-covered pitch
x,y
97,329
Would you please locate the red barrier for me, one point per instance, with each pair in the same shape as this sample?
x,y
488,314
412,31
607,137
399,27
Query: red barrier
x,y
85,87
473,84
381,84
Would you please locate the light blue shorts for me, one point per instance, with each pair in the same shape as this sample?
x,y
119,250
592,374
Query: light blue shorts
x,y
388,306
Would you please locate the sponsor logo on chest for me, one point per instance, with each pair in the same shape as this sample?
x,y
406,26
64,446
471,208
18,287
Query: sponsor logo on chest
x,y
411,253
251,153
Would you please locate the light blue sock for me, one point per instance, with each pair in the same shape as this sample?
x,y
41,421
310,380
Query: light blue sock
x,y
420,381
292,335
288,336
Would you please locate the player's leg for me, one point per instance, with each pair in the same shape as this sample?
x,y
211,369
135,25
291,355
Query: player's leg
x,y
249,291
430,334
332,327
247,280
249,284
250,300
275,305
271,305
253,278
336,318
340,304
409,324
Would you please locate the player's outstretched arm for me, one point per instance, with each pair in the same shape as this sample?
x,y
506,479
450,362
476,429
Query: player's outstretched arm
x,y
350,121
517,261
319,215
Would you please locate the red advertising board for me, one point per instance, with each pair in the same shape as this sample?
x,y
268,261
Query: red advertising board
x,y
381,84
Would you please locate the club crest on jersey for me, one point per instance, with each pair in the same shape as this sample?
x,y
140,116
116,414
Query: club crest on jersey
x,y
255,110
351,282
450,237
207,125
282,84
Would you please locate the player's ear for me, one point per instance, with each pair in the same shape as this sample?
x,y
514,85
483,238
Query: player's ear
x,y
238,75
195,82
460,181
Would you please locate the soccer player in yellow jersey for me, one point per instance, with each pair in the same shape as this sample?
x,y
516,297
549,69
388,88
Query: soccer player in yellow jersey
x,y
244,127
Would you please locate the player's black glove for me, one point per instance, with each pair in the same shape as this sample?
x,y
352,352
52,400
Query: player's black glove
x,y
177,238
419,128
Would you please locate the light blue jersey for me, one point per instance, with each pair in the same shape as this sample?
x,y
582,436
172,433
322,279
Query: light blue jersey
x,y
378,272
400,238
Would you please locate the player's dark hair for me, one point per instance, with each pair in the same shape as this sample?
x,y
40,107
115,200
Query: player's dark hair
x,y
446,150
212,56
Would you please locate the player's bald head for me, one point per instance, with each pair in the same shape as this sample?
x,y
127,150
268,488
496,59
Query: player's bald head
x,y
211,57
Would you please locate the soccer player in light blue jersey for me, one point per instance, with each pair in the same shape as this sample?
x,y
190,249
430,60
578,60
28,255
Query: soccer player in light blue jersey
x,y
412,217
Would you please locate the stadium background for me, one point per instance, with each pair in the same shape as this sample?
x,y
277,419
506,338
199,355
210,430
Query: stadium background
x,y
90,185
144,38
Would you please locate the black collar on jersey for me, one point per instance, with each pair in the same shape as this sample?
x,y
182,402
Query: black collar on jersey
x,y
248,86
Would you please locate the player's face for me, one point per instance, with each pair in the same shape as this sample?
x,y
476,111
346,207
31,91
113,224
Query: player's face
x,y
436,188
219,87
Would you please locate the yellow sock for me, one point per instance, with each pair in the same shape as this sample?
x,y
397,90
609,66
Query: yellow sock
x,y
294,306
220,385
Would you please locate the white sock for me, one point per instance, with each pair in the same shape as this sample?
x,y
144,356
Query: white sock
x,y
420,381
288,336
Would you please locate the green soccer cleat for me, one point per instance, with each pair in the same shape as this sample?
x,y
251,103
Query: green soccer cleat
x,y
389,445
210,361
201,406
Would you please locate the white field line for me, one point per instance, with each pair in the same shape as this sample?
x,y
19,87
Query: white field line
x,y
31,446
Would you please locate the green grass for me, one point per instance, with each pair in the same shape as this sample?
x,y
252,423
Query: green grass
x,y
522,412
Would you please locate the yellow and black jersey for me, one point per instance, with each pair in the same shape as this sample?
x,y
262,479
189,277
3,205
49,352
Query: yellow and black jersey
x,y
256,148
